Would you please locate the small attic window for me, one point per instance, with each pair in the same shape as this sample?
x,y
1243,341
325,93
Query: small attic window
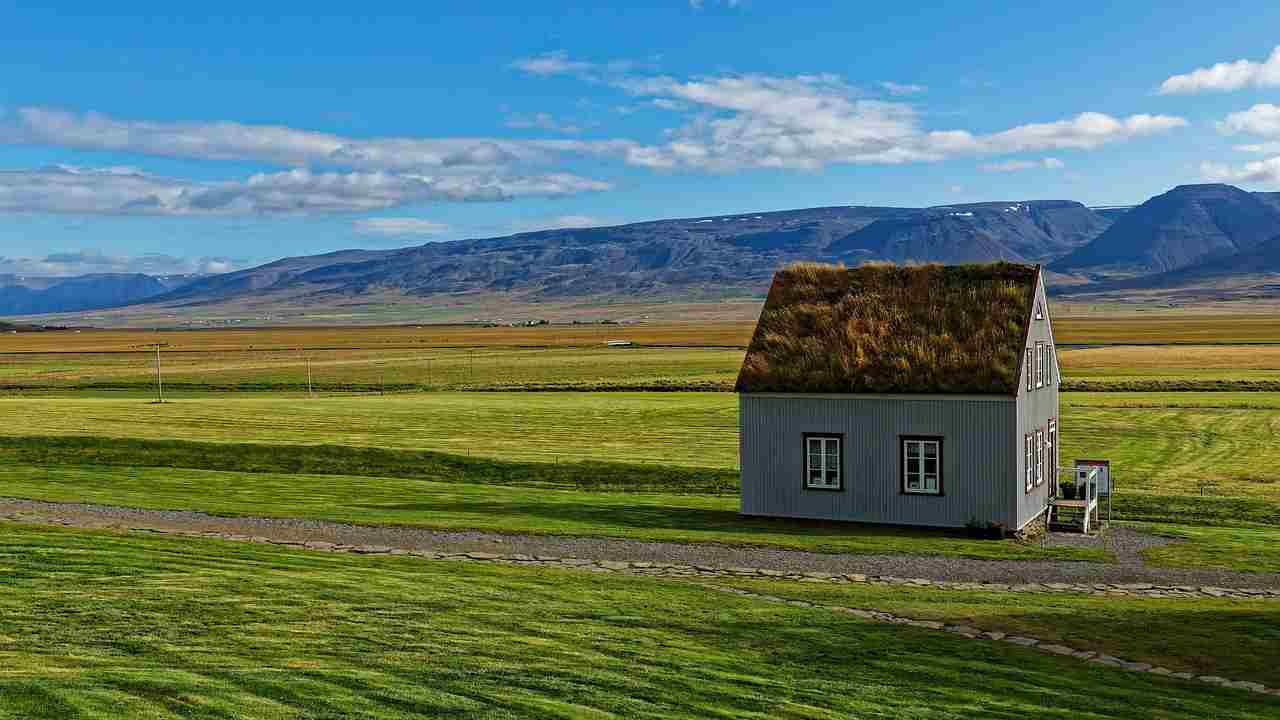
x,y
1039,311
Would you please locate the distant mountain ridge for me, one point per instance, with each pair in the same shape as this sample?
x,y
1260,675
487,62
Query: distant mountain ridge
x,y
1188,225
1193,234
734,253
31,296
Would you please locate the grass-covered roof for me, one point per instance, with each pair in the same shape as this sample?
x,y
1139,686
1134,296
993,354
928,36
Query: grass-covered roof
x,y
884,328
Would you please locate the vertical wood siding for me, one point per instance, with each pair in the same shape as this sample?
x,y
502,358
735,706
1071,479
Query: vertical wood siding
x,y
977,463
1035,407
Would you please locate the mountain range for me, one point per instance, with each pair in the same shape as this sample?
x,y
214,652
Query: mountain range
x,y
1193,236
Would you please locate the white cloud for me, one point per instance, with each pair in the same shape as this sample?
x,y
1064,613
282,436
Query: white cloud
x,y
1256,172
93,191
282,145
1086,131
810,121
900,89
1266,148
552,63
1262,119
560,222
1019,165
85,262
399,226
1226,76
541,121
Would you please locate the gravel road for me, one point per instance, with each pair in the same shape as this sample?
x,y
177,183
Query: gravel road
x,y
1125,543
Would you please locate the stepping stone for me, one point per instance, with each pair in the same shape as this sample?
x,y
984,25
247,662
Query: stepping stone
x,y
1023,641
318,545
371,549
482,556
614,565
1058,649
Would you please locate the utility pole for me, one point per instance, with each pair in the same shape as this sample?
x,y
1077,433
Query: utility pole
x,y
309,393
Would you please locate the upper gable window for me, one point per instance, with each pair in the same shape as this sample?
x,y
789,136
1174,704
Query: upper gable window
x,y
1040,359
1039,311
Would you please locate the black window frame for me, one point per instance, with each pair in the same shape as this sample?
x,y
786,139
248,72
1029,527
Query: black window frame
x,y
902,465
804,458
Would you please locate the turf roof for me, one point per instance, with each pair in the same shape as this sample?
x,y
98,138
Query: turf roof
x,y
884,328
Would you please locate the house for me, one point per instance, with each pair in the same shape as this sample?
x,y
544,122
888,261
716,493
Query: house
x,y
922,395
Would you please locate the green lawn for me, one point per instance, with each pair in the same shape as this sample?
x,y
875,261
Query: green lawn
x,y
1165,444
454,505
349,369
1247,549
106,626
1232,638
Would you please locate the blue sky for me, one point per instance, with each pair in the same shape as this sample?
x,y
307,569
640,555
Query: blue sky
x,y
149,140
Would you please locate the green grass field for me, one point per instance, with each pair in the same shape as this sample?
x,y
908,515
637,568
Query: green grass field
x,y
1164,444
1180,634
457,504
107,626
373,370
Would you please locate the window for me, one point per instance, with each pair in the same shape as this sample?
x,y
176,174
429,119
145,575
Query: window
x,y
1028,461
1039,365
922,465
1030,370
1039,458
822,462
1039,311
1050,443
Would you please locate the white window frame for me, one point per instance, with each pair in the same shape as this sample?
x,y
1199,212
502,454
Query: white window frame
x,y
828,451
1031,370
1039,457
1039,365
1051,443
1027,461
926,483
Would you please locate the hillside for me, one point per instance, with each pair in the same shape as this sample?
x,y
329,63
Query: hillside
x,y
709,257
31,296
1199,238
1183,227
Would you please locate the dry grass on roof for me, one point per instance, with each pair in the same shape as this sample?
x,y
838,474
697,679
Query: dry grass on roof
x,y
885,328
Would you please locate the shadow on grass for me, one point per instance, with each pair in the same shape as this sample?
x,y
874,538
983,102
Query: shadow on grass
x,y
365,461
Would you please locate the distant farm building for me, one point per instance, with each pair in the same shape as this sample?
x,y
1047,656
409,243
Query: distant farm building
x,y
924,395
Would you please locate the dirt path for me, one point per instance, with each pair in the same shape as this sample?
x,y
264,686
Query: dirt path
x,y
1127,545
